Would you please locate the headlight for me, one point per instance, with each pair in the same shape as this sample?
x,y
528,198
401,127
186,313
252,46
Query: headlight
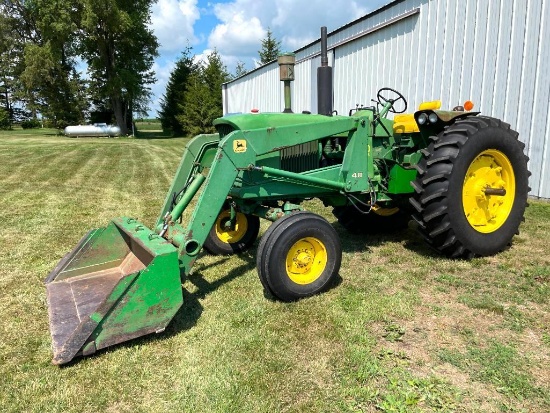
x,y
422,119
433,118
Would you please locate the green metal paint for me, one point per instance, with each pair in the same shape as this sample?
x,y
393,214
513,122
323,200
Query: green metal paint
x,y
108,304
275,188
187,196
400,180
196,156
302,178
272,121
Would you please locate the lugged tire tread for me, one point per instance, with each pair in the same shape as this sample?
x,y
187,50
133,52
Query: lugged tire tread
x,y
440,229
432,161
439,212
430,200
416,205
437,194
419,169
435,177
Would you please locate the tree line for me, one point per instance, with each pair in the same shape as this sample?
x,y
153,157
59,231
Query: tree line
x,y
77,60
193,97
44,42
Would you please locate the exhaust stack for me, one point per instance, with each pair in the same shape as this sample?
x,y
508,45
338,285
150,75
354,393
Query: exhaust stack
x,y
324,79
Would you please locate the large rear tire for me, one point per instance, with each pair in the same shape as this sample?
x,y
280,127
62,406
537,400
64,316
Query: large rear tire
x,y
300,256
223,241
472,186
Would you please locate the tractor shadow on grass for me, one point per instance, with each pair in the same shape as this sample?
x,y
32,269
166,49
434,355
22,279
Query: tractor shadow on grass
x,y
408,238
191,310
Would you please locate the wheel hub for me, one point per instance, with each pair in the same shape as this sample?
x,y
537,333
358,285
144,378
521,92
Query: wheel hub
x,y
306,260
228,233
303,258
488,191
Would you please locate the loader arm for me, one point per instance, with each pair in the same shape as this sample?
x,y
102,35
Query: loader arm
x,y
197,155
238,152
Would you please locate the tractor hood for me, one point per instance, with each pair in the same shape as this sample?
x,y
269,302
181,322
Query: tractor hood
x,y
270,120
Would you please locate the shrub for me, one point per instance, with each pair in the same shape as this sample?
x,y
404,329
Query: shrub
x,y
55,123
62,124
5,122
31,124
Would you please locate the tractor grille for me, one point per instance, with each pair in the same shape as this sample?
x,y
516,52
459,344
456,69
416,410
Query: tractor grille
x,y
300,158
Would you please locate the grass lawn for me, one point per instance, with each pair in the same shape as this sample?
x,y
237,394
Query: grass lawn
x,y
148,124
150,129
403,331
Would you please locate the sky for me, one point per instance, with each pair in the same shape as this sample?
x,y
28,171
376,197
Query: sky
x,y
235,28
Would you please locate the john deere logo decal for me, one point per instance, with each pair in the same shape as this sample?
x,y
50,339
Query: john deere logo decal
x,y
239,146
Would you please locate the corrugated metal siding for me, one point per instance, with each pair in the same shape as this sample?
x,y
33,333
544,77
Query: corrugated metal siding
x,y
491,52
260,92
264,91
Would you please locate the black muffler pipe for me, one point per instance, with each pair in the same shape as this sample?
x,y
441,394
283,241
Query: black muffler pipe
x,y
324,79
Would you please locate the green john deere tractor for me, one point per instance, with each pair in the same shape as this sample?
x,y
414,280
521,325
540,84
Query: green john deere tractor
x,y
461,176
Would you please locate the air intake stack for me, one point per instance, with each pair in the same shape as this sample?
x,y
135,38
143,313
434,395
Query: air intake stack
x,y
324,79
286,73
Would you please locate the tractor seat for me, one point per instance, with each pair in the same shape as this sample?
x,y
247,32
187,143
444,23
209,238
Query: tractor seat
x,y
405,123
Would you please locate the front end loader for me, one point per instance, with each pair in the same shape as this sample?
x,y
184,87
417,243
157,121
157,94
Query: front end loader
x,y
461,176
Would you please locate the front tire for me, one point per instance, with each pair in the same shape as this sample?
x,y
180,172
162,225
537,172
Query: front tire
x,y
472,186
224,241
299,257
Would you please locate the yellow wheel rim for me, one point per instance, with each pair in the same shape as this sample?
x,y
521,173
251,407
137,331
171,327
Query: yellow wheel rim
x,y
231,236
384,212
490,171
306,260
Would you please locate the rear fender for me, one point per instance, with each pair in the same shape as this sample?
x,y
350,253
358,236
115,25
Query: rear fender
x,y
444,118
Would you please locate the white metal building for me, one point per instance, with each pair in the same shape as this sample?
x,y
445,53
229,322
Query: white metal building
x,y
493,52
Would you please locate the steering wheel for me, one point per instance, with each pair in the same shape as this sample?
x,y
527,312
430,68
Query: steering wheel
x,y
382,100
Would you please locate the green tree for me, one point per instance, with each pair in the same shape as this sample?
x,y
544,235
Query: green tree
x,y
172,102
5,121
119,48
215,75
240,70
14,34
197,111
8,59
271,48
41,42
52,87
202,101
40,38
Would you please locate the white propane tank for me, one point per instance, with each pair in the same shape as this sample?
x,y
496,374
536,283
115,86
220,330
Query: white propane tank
x,y
97,129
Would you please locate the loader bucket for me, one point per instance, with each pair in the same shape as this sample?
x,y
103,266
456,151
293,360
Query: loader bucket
x,y
120,282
